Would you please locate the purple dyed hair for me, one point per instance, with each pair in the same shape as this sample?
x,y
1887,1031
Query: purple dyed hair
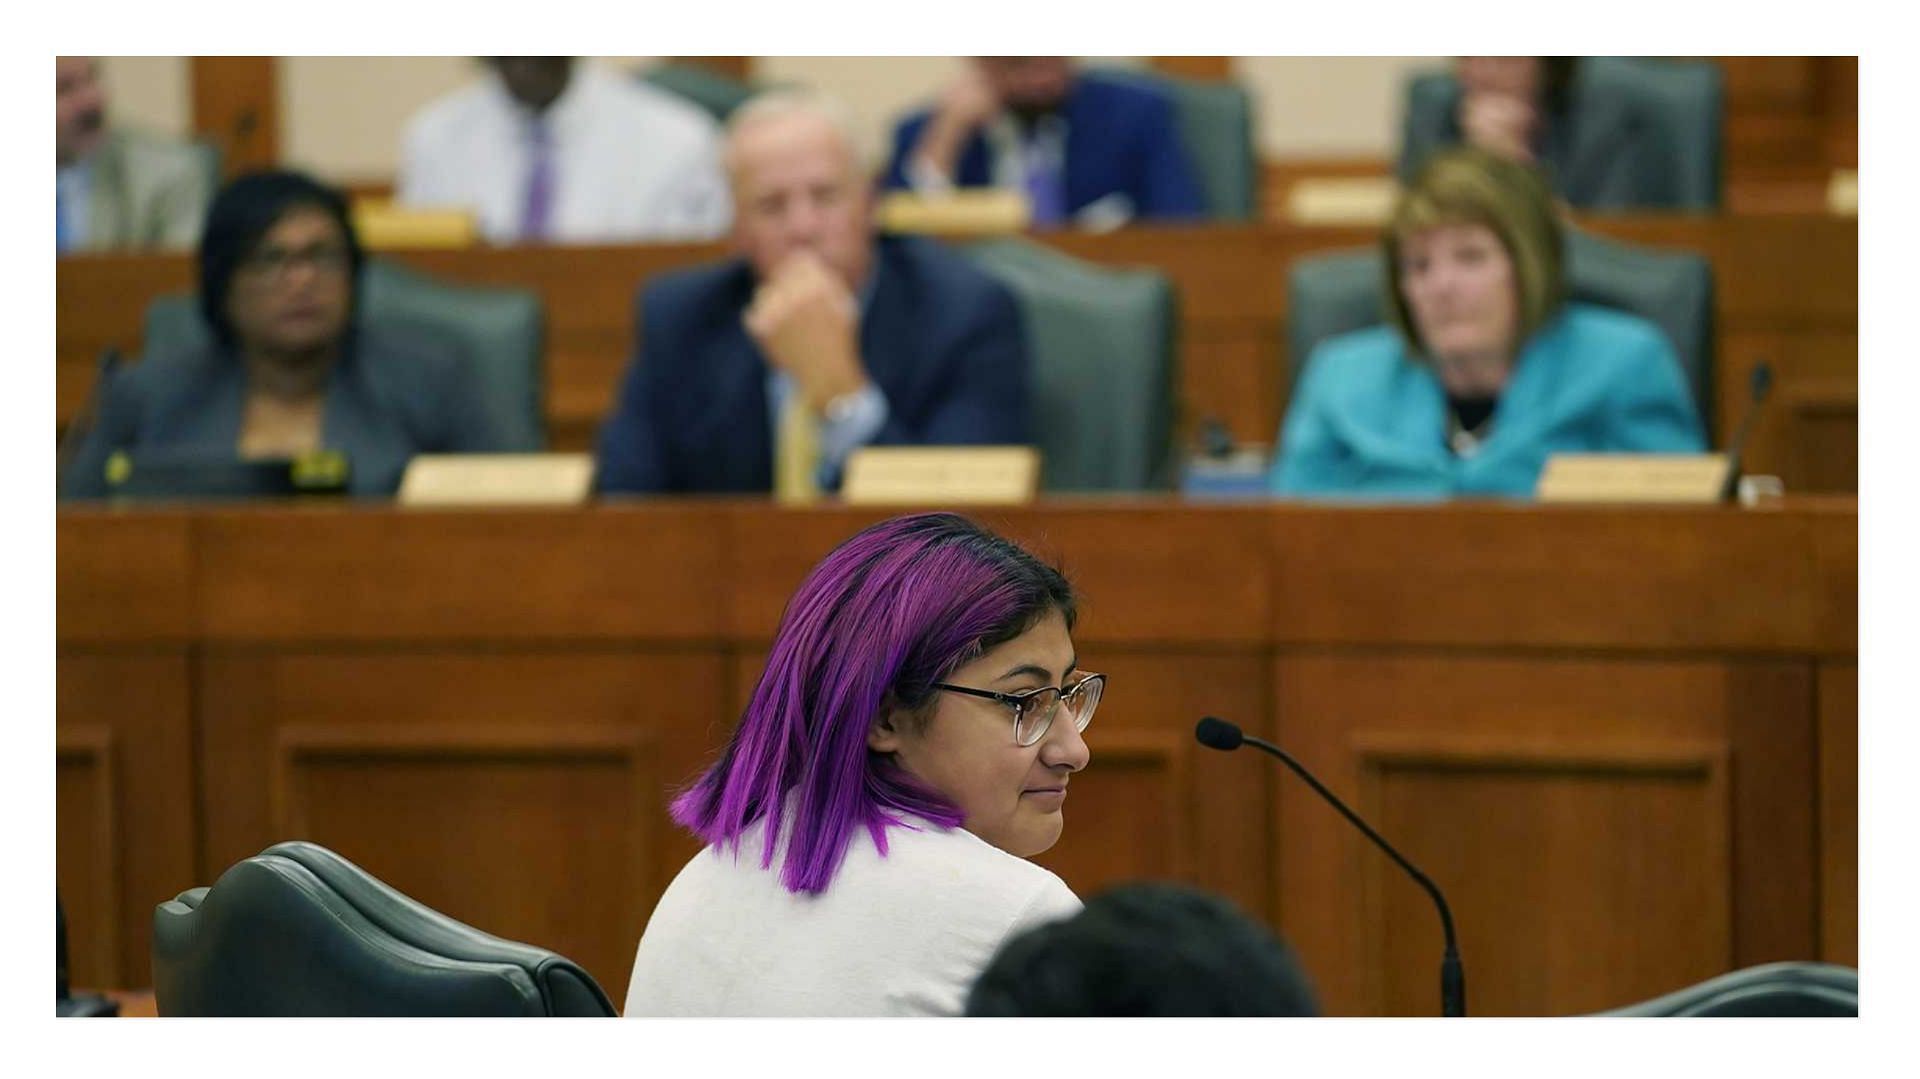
x,y
879,620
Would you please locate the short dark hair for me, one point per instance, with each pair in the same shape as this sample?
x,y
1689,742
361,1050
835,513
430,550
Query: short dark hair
x,y
1149,949
241,216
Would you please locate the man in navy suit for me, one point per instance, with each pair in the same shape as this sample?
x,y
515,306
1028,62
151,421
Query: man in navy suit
x,y
886,340
1085,150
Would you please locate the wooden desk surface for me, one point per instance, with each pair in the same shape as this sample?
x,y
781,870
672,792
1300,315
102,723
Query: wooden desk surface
x,y
1786,290
1617,736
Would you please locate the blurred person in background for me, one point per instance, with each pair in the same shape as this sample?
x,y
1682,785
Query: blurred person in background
x,y
291,369
1082,150
1584,130
1486,368
556,149
117,188
818,338
1147,949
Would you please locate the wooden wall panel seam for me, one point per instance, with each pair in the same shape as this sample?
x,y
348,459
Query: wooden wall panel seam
x,y
93,745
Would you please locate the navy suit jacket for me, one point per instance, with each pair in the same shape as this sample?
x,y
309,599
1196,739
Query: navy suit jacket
x,y
1121,138
941,340
392,394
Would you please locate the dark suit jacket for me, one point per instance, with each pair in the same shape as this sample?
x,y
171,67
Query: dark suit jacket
x,y
392,394
1605,152
941,340
1121,138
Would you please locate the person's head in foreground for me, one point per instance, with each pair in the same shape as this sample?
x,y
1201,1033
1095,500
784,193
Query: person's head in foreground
x,y
1146,950
1473,264
924,669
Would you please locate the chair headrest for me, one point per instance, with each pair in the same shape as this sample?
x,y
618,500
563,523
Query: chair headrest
x,y
299,931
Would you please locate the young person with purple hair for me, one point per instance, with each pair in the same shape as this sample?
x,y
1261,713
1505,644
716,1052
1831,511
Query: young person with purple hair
x,y
908,747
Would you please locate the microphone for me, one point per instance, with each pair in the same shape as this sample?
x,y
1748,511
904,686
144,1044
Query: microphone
x,y
83,420
1758,386
1218,734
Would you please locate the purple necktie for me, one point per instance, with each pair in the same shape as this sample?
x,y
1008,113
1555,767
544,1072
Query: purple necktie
x,y
535,215
1046,189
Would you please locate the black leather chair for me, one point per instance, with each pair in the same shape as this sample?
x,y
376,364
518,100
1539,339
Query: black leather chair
x,y
300,931
1775,990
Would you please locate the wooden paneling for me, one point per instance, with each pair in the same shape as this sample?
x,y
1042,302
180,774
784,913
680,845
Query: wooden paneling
x,y
1594,766
1149,589
1584,577
1139,805
464,818
236,106
490,708
1839,712
636,572
1217,68
523,792
88,854
1612,821
123,577
125,809
737,68
1786,289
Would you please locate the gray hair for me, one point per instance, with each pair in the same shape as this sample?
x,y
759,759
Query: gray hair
x,y
783,101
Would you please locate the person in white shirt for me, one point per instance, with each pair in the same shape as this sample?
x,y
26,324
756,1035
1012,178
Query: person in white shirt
x,y
909,745
550,149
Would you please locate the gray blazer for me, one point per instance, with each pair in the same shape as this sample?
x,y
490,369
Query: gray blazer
x,y
392,394
148,192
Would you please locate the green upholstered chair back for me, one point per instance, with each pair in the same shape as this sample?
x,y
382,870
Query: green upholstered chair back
x,y
300,931
1216,127
1682,101
1687,106
500,330
1340,292
1775,990
702,86
1104,373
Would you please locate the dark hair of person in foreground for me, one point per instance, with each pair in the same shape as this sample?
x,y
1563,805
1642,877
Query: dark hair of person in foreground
x,y
1146,950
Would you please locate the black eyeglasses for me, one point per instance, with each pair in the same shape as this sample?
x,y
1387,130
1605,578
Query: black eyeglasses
x,y
1033,710
274,263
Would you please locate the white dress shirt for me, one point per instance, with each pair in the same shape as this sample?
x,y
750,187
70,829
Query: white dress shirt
x,y
631,162
903,934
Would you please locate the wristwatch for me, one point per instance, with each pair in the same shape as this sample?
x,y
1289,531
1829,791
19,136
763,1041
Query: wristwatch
x,y
842,407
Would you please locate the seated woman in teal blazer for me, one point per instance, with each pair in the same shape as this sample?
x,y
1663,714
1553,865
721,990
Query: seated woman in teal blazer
x,y
1486,369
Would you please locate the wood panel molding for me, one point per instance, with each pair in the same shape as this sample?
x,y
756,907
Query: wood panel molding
x,y
236,106
95,942
1213,68
1168,759
1839,738
299,743
1387,757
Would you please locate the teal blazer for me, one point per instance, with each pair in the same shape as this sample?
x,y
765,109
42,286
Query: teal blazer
x,y
1369,420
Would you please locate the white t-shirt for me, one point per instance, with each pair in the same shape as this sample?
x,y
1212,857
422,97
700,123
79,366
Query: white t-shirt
x,y
902,935
631,162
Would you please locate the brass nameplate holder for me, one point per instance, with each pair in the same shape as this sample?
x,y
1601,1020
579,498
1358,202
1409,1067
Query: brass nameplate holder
x,y
948,475
497,479
384,225
1633,477
969,212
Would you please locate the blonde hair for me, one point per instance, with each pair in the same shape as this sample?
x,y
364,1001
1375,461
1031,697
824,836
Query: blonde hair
x,y
1469,186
